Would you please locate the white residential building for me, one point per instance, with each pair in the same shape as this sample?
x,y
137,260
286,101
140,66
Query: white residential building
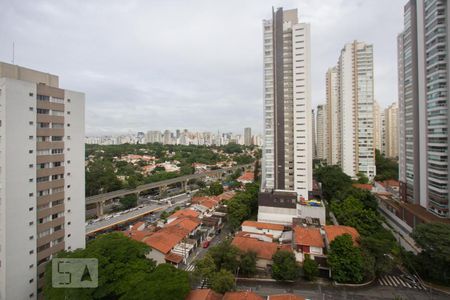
x,y
42,203
356,102
333,128
287,154
322,133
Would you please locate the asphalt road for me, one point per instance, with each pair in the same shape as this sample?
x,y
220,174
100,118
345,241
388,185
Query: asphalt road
x,y
328,292
105,224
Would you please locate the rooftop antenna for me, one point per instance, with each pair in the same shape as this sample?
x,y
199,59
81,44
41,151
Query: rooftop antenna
x,y
13,54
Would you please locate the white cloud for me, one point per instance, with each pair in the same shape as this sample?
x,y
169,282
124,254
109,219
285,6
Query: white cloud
x,y
192,64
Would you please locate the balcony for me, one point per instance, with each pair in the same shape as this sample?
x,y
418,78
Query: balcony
x,y
41,186
41,118
49,171
51,224
51,237
49,158
50,105
49,145
50,198
52,250
50,132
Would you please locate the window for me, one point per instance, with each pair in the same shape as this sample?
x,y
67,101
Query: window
x,y
57,138
30,151
31,266
30,209
31,223
31,108
30,194
68,112
31,94
30,165
30,137
31,251
31,237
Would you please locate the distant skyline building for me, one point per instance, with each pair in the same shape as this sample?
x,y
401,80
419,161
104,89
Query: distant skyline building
x,y
356,105
42,194
313,134
333,115
424,110
287,155
322,133
377,127
247,136
391,131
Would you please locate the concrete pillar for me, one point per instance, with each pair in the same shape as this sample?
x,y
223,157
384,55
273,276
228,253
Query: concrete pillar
x,y
99,207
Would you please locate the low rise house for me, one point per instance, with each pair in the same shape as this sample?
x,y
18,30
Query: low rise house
x,y
203,294
264,249
307,240
187,212
242,295
333,231
247,177
285,297
363,186
263,228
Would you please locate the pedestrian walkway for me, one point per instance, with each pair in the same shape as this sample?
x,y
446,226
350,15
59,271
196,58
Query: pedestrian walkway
x,y
190,268
398,281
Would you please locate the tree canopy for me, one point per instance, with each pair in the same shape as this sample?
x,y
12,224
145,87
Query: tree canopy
x,y
433,262
387,168
345,260
122,268
285,266
223,281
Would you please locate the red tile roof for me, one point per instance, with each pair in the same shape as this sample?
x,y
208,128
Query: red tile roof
x,y
308,236
333,231
166,238
203,294
263,250
187,223
362,186
137,225
247,295
184,213
261,225
285,297
247,176
226,196
173,257
391,182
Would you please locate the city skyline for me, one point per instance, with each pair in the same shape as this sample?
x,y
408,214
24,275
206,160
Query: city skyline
x,y
140,94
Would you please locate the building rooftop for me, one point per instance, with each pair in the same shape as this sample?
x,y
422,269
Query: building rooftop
x,y
362,186
173,257
308,236
203,294
262,225
264,250
285,297
333,231
247,176
184,213
242,295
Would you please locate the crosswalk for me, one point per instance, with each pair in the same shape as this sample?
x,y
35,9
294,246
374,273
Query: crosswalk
x,y
397,281
190,268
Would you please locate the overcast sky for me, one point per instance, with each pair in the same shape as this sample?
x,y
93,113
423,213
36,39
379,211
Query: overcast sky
x,y
185,64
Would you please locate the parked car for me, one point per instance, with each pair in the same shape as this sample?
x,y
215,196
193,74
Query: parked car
x,y
206,244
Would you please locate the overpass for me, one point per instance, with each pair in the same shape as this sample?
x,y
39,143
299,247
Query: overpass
x,y
100,199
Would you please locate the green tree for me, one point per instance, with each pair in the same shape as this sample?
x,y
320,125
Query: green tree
x,y
386,168
345,260
310,268
335,183
223,281
121,265
215,188
382,247
225,256
433,261
284,266
166,283
247,263
205,267
362,178
128,201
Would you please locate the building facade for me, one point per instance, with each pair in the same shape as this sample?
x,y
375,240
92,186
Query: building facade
x,y
391,131
424,115
356,102
322,133
42,204
377,128
333,113
247,136
287,154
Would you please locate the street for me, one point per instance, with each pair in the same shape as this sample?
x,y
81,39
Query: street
x,y
323,291
140,211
